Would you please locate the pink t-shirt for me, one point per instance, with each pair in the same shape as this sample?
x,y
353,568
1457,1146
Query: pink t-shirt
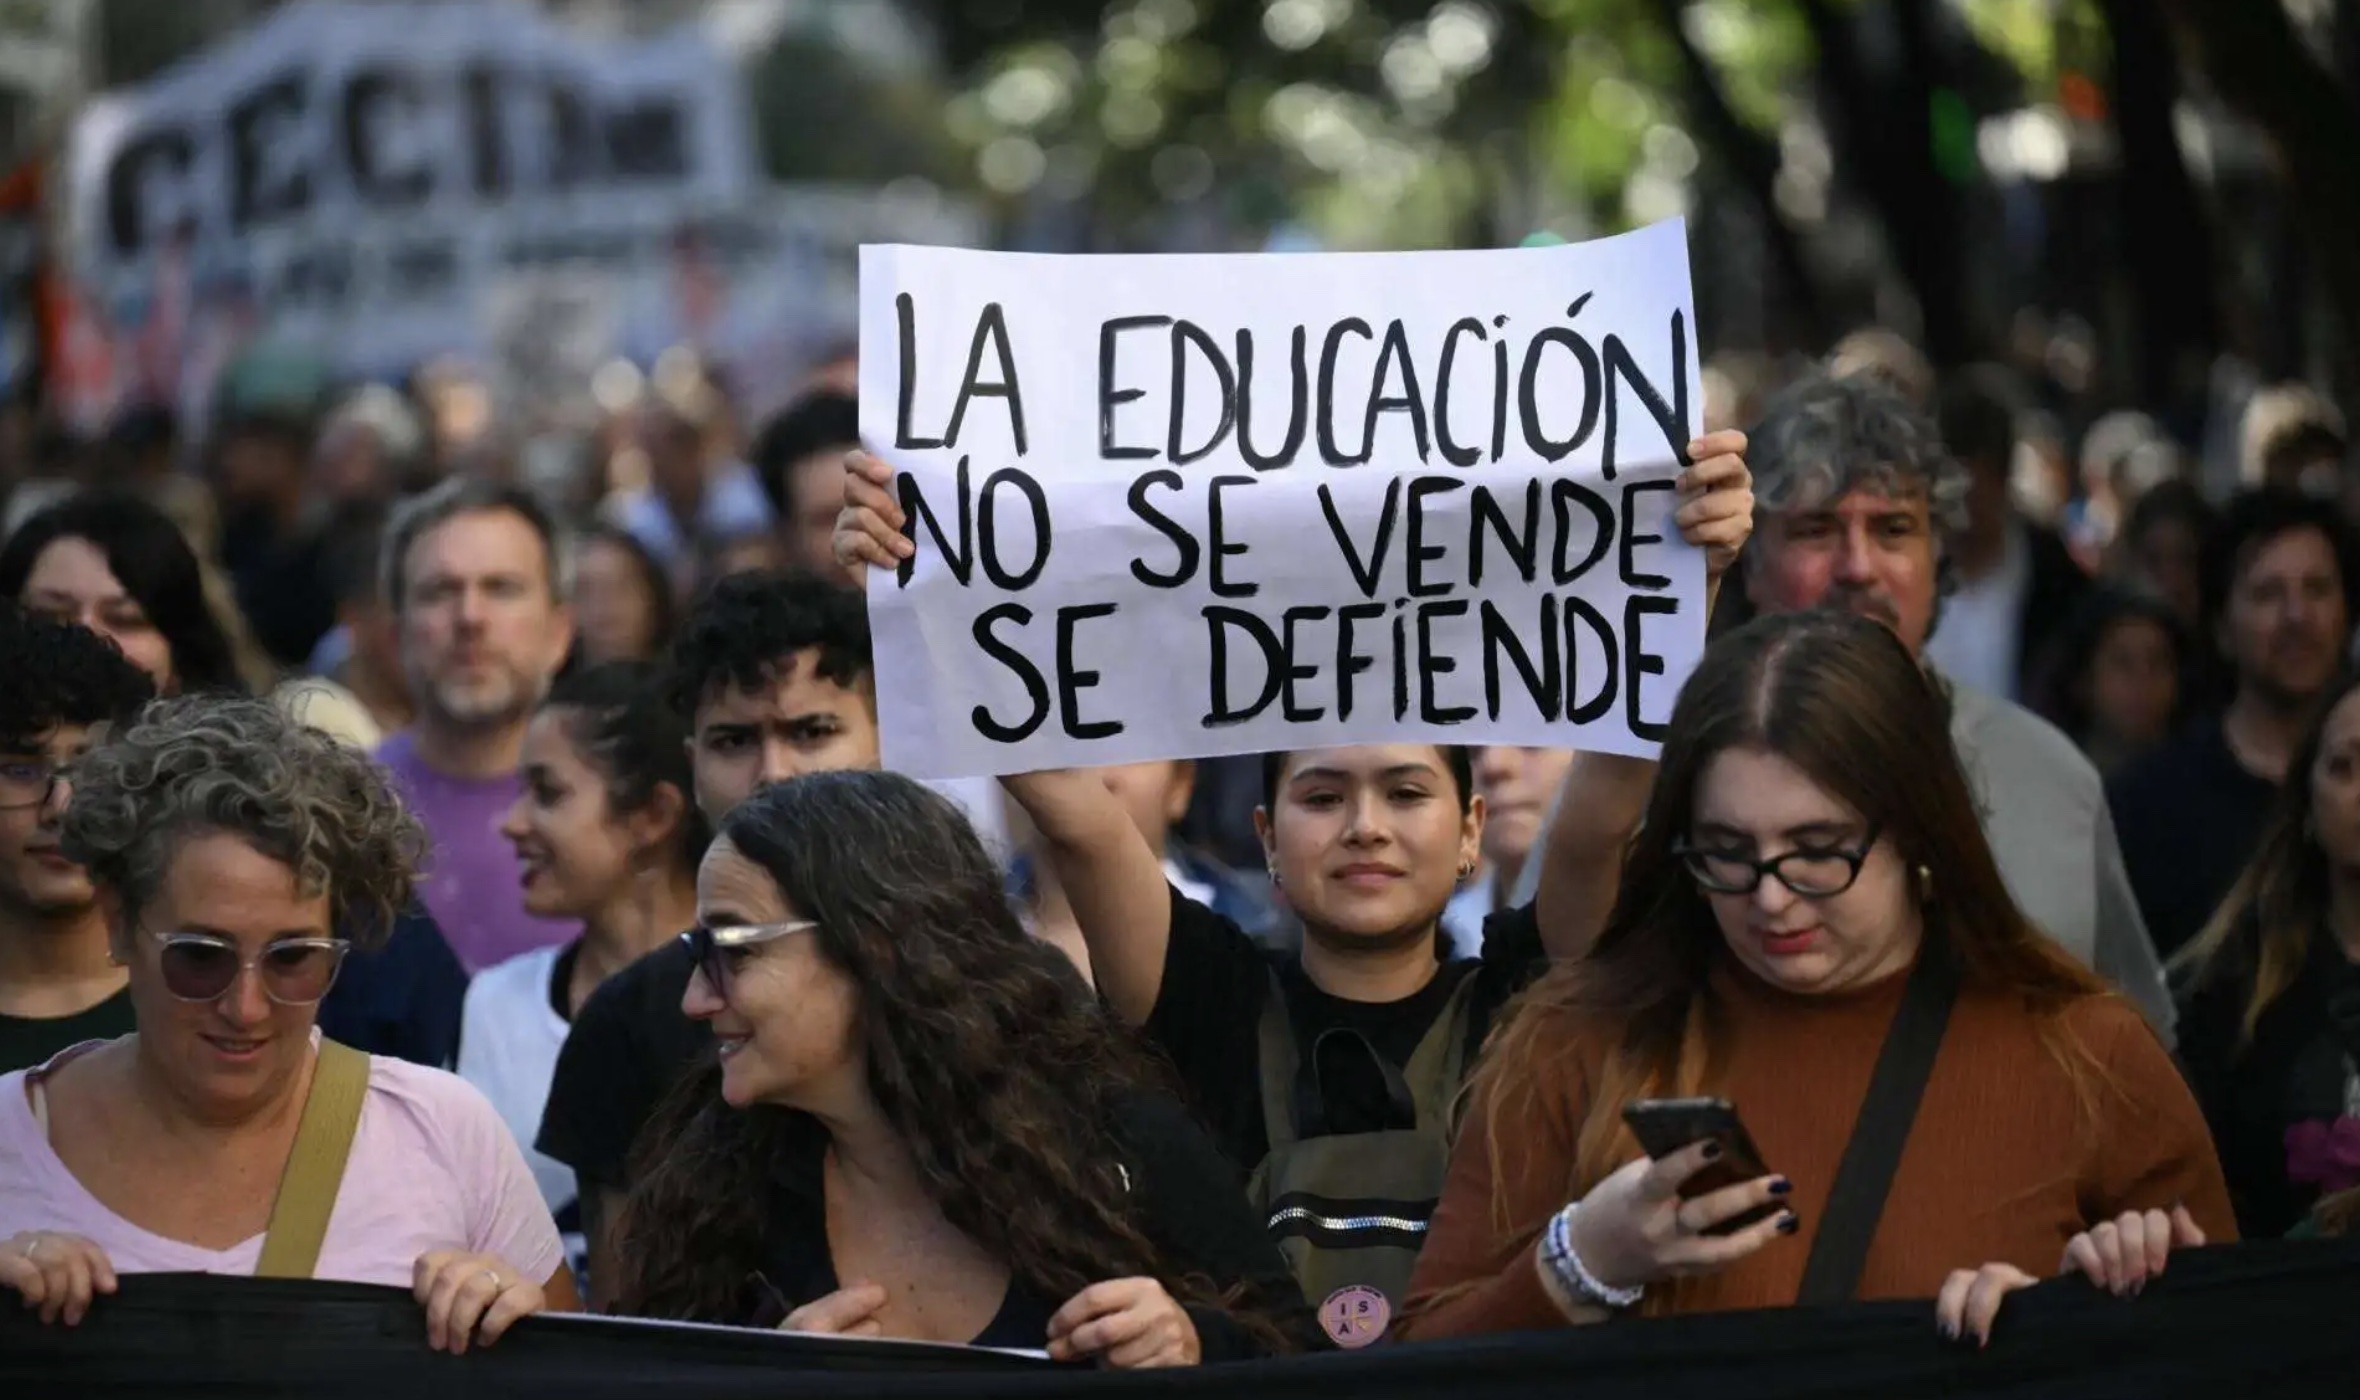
x,y
432,1167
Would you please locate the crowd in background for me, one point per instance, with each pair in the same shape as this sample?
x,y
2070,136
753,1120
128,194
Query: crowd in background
x,y
600,689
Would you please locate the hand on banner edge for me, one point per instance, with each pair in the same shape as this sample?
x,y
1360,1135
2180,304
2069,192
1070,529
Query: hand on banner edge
x,y
1716,495
868,528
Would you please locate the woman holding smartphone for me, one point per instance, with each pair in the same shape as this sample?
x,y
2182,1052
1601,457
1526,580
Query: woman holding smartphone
x,y
1811,861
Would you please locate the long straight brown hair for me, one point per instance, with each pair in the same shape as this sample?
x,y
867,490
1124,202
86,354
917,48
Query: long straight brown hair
x,y
2263,930
1841,699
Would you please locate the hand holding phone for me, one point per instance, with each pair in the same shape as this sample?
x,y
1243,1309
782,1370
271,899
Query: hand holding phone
x,y
1701,1201
1664,1126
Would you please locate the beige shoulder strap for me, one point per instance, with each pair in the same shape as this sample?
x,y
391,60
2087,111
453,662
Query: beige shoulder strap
x,y
315,1168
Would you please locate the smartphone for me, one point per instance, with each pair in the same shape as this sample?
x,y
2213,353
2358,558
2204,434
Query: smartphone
x,y
1664,1126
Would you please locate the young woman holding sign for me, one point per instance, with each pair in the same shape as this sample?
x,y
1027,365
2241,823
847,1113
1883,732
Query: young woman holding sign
x,y
1327,1075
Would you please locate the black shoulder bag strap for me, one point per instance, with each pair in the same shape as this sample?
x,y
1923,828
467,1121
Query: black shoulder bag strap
x,y
1865,1176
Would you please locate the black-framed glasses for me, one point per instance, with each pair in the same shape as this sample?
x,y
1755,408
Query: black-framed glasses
x,y
710,946
1814,872
29,782
202,967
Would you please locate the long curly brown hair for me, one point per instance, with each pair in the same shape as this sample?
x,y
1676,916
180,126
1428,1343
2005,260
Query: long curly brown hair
x,y
984,1048
1842,700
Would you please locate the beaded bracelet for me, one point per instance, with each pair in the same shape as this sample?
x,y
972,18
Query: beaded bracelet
x,y
1557,1250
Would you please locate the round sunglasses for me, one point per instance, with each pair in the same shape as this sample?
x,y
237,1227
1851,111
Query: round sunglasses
x,y
202,967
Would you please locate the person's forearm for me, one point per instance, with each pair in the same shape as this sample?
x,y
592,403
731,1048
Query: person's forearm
x,y
1577,869
1113,882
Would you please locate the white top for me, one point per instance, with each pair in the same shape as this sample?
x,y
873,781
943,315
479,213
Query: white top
x,y
509,1036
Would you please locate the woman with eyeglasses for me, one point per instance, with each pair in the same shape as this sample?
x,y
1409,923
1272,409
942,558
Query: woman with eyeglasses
x,y
225,842
1810,878
919,1123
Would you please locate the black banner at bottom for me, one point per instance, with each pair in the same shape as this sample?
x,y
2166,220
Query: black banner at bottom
x,y
2276,1319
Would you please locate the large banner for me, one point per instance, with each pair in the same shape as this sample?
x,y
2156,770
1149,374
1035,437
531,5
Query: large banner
x,y
1196,505
356,178
2269,1320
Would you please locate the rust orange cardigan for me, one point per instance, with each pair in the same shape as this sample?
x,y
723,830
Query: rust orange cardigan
x,y
2001,1164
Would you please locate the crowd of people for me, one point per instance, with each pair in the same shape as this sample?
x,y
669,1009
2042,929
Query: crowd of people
x,y
416,873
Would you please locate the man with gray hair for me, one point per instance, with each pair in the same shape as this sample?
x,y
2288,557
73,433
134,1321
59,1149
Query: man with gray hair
x,y
478,578
1859,508
1856,503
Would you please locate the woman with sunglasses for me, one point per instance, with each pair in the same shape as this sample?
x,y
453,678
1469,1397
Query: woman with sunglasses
x,y
1811,872
225,842
919,1123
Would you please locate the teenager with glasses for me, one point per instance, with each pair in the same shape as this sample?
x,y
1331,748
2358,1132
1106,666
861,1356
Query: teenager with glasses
x,y
1811,875
917,1122
228,846
59,686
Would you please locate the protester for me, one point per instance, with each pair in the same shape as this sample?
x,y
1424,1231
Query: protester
x,y
357,669
60,685
116,565
2292,439
2161,549
1861,508
2281,581
606,834
697,498
1516,785
2119,684
479,578
2270,1029
2013,583
920,1124
1328,1075
799,459
1809,865
774,672
622,599
270,403
230,847
1155,795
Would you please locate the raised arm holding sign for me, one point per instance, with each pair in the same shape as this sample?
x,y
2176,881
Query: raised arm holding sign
x,y
1204,505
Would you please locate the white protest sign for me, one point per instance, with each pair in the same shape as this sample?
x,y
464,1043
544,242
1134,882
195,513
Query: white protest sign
x,y
1174,506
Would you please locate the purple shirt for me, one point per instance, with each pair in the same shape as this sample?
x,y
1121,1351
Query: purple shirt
x,y
472,884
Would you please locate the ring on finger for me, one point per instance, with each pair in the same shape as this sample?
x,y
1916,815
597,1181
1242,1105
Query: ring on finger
x,y
494,1276
33,1244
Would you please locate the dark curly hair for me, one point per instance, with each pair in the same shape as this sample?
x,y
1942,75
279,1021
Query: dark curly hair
x,y
151,558
984,1048
622,718
55,673
199,763
746,624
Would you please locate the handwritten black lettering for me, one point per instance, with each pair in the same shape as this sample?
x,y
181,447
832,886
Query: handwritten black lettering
x,y
1016,661
1072,680
1109,397
1164,525
1417,553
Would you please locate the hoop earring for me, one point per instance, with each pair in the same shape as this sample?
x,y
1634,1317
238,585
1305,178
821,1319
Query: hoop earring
x,y
1466,871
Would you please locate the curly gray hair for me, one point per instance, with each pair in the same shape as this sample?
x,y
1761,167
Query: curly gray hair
x,y
1826,435
210,763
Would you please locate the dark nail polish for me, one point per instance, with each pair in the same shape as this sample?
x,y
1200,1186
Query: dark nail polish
x,y
1787,1224
1712,1151
1781,1186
